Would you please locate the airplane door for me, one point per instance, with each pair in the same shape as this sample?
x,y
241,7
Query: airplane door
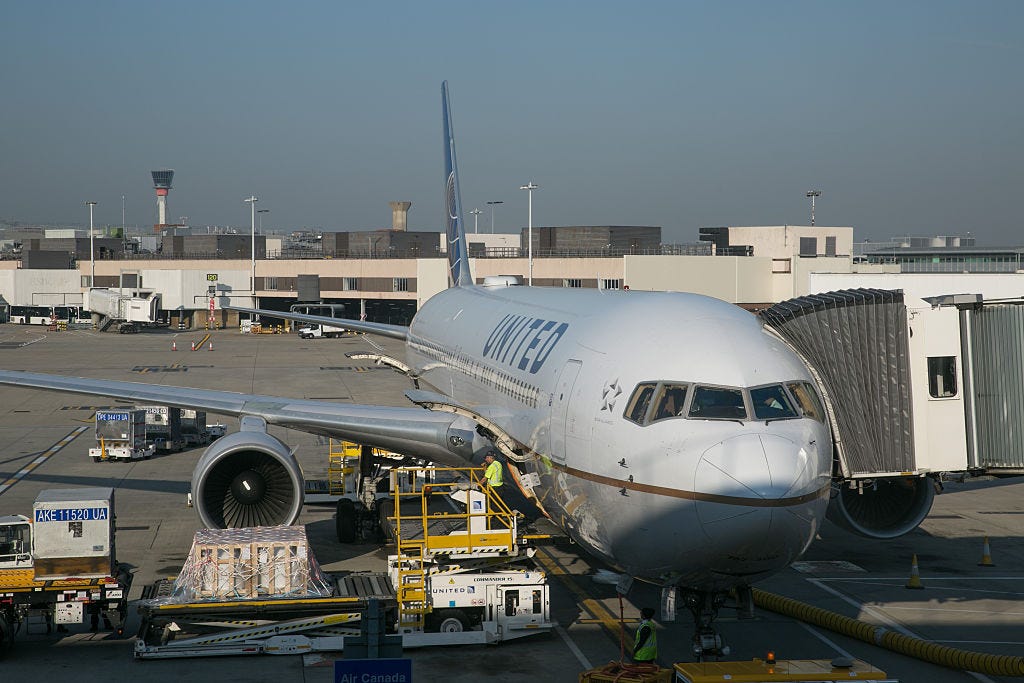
x,y
560,407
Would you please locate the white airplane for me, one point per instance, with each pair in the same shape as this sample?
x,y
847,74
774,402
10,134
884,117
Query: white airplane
x,y
668,434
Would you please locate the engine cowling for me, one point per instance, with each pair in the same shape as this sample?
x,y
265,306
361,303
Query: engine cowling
x,y
885,508
247,479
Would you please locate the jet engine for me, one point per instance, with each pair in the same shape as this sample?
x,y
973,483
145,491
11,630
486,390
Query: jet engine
x,y
882,508
247,479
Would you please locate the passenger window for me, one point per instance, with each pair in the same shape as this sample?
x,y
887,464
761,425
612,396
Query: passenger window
x,y
942,376
771,403
713,403
641,401
807,398
670,401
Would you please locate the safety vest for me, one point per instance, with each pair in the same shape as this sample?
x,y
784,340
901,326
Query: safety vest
x,y
493,474
648,652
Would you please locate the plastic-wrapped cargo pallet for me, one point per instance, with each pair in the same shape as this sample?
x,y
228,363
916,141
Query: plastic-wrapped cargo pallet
x,y
257,562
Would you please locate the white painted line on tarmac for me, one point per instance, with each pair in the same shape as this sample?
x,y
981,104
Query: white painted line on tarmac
x,y
895,626
580,657
823,638
20,474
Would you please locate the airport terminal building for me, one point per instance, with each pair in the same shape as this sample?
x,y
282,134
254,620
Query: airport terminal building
x,y
385,274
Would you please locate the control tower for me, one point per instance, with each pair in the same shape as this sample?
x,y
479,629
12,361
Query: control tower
x,y
162,185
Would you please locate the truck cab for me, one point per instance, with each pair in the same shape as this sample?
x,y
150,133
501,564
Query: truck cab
x,y
15,542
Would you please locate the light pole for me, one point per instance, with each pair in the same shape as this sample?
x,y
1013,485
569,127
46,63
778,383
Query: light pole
x,y
812,194
476,216
530,187
261,212
92,251
251,201
491,204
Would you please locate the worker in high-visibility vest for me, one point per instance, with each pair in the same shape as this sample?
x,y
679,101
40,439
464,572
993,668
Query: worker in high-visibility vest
x,y
492,475
645,645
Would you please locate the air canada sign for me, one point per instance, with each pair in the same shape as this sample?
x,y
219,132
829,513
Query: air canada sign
x,y
373,671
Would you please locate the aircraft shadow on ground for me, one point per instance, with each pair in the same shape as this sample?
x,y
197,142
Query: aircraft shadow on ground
x,y
151,485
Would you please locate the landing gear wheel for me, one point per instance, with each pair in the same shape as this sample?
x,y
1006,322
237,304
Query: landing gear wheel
x,y
345,521
386,508
452,621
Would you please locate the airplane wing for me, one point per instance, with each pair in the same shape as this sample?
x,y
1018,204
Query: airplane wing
x,y
383,329
438,437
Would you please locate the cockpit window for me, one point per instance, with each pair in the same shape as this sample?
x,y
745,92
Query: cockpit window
x,y
640,402
715,403
807,398
771,403
670,401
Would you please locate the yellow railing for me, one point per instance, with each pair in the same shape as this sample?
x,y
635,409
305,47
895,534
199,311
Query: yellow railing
x,y
491,528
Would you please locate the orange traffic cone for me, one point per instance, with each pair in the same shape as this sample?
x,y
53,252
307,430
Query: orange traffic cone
x,y
174,345
193,346
986,556
211,346
915,575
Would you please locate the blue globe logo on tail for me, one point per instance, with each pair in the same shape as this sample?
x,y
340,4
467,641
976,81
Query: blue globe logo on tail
x,y
458,255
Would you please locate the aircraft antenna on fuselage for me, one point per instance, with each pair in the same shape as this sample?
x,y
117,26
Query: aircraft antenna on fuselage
x,y
458,251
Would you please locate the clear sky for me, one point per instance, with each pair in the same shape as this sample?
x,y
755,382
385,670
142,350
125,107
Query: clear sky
x,y
907,116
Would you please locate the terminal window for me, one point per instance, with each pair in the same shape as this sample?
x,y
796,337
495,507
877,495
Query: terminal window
x,y
270,283
942,376
401,284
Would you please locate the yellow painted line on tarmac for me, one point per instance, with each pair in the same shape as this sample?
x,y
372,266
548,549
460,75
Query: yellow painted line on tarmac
x,y
43,457
596,608
202,341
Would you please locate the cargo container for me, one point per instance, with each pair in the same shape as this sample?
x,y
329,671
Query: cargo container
x,y
163,428
121,435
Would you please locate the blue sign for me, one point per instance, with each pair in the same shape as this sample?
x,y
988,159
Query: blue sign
x,y
373,671
73,515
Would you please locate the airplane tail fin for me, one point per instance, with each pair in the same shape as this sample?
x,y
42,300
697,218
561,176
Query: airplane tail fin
x,y
458,250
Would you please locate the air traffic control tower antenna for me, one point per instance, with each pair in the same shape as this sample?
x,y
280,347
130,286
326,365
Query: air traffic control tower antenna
x,y
162,185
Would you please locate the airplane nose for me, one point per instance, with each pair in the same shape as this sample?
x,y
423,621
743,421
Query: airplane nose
x,y
764,466
749,490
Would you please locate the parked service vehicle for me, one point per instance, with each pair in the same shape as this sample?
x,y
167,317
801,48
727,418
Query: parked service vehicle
x,y
318,331
121,435
61,563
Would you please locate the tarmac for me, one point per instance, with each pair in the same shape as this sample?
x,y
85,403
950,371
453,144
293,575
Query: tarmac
x,y
45,438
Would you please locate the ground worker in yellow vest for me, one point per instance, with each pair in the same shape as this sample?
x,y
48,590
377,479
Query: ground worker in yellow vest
x,y
645,646
492,475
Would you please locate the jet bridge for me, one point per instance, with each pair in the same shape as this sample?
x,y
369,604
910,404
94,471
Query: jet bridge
x,y
857,344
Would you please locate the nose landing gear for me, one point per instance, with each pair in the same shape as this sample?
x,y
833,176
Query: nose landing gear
x,y
704,605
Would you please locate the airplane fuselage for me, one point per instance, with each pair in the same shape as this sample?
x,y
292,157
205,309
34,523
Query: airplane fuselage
x,y
709,499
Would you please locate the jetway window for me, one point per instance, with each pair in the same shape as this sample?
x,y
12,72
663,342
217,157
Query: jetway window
x,y
771,403
942,376
807,398
715,403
